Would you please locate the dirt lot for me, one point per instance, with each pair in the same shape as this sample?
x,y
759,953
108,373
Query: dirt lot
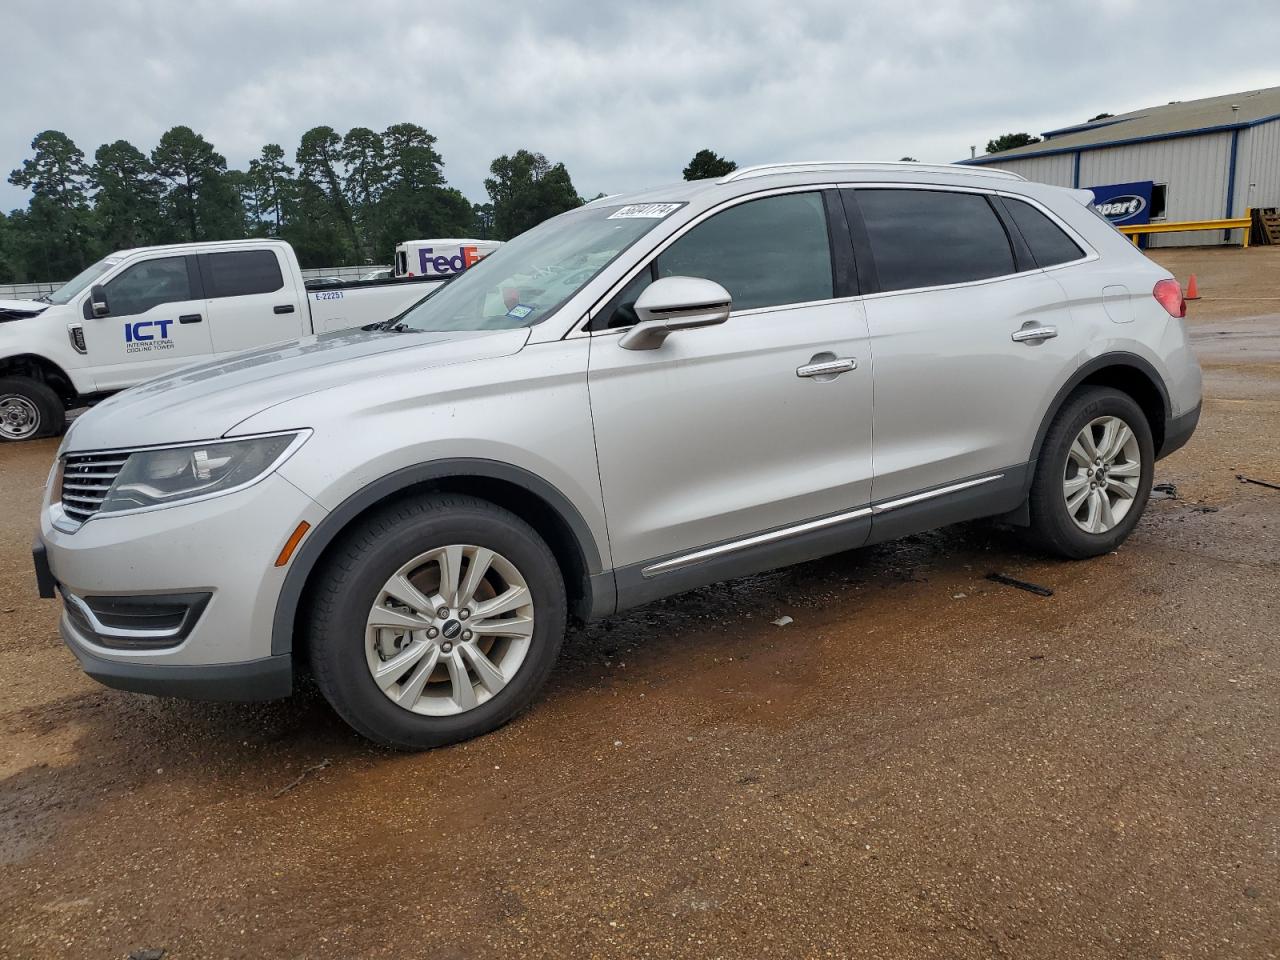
x,y
922,764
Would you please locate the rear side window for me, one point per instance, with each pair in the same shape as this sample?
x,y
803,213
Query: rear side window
x,y
242,272
1049,245
928,238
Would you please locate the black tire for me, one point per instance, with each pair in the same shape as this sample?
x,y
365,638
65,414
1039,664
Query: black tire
x,y
51,415
356,570
1052,528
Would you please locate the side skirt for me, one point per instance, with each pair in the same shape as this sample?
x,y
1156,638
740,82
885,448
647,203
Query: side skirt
x,y
968,499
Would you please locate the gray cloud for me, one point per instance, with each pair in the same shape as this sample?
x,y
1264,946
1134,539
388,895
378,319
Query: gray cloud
x,y
622,94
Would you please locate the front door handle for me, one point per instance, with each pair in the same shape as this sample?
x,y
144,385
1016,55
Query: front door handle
x,y
1033,334
190,318
284,308
827,368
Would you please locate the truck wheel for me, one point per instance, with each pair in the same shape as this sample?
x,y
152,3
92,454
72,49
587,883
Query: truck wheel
x,y
29,409
435,620
1093,476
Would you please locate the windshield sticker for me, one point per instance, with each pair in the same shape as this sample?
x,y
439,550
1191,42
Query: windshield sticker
x,y
520,311
644,211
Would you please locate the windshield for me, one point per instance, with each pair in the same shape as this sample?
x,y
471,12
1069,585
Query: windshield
x,y
526,280
82,280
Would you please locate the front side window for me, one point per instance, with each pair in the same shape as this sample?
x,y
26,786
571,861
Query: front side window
x,y
929,238
528,279
149,284
767,253
240,273
1049,245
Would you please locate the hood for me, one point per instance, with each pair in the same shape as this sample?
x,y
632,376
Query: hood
x,y
206,401
20,309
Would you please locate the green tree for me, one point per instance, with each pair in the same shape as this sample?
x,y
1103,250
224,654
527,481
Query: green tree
x,y
526,189
482,220
707,164
54,239
416,202
1009,141
201,203
127,195
271,181
908,160
319,160
1101,116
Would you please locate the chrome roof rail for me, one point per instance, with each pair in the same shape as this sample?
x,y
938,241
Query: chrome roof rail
x,y
765,169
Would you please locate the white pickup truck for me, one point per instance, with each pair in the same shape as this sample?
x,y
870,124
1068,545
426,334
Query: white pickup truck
x,y
138,314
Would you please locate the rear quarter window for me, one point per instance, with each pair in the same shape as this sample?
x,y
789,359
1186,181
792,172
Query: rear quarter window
x,y
1049,244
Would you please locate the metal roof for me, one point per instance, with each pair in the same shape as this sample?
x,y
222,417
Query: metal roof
x,y
1180,119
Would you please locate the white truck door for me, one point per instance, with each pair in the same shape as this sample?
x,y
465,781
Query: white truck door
x,y
155,323
250,302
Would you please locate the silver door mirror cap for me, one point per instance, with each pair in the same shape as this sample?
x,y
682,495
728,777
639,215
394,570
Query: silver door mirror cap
x,y
675,303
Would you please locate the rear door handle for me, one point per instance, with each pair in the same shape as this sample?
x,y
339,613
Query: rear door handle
x,y
1033,334
827,368
190,318
284,308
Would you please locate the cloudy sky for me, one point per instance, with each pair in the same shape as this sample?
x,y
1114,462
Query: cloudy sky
x,y
622,93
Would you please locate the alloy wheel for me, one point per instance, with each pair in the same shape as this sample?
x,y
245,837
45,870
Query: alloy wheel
x,y
1102,475
449,630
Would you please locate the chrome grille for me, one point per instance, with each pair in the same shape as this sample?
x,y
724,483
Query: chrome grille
x,y
86,478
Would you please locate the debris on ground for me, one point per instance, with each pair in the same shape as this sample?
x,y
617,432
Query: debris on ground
x,y
782,621
1164,491
300,777
148,953
1008,581
1261,483
1203,508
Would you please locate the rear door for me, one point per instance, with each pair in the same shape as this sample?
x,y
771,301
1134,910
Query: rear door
x,y
970,337
252,303
155,325
725,432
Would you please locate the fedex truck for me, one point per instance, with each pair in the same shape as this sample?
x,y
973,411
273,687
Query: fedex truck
x,y
440,258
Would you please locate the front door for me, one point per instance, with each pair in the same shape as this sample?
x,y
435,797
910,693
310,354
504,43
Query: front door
x,y
156,323
725,432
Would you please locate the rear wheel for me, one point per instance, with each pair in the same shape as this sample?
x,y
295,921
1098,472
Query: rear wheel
x,y
436,620
1093,476
29,409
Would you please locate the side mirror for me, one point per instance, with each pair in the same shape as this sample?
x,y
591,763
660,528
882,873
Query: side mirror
x,y
675,303
98,305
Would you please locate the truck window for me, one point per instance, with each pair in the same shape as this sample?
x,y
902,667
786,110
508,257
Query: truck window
x,y
240,273
149,284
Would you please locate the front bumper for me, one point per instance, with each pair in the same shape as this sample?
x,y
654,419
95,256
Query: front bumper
x,y
269,678
224,548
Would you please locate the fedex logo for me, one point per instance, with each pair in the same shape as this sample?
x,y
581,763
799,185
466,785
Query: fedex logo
x,y
430,262
133,332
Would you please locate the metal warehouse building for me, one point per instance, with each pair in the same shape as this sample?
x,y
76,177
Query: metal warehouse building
x,y
1193,160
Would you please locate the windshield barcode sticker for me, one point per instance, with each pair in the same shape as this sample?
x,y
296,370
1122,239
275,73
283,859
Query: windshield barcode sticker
x,y
648,211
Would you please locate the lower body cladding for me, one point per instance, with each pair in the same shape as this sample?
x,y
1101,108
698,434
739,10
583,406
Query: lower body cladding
x,y
179,601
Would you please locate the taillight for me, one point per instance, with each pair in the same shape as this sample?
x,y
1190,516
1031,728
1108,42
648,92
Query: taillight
x,y
1169,293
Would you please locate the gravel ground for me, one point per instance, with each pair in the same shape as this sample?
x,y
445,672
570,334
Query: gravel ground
x,y
922,764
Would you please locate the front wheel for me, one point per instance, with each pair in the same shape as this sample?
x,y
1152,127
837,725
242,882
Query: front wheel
x,y
436,620
29,409
1093,476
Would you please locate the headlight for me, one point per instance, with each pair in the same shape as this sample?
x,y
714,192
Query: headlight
x,y
155,478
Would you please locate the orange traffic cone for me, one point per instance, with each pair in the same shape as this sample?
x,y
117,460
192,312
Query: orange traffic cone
x,y
1192,292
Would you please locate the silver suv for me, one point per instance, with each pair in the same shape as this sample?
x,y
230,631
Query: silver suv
x,y
646,394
